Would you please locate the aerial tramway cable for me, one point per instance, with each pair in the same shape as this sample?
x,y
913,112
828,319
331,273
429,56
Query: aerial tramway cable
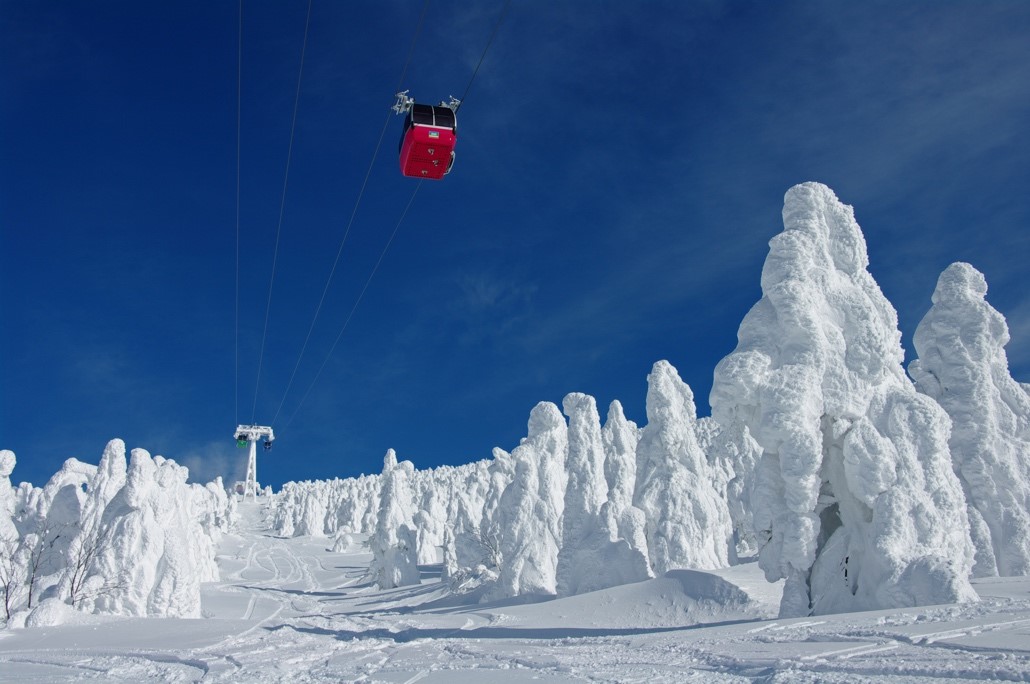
x,y
239,92
493,34
411,200
354,308
350,223
282,209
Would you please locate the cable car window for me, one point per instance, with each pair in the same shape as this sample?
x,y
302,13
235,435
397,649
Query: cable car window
x,y
422,114
444,117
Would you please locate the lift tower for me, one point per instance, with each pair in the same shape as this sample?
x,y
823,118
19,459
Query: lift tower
x,y
249,435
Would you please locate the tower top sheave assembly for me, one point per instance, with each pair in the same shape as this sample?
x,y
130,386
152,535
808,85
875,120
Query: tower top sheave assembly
x,y
248,435
252,433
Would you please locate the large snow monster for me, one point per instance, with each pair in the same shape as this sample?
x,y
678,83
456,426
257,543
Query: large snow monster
x,y
855,500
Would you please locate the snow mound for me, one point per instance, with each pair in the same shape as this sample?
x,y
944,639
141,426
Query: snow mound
x,y
962,364
346,542
854,501
677,599
51,612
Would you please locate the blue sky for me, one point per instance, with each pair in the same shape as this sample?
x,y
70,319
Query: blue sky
x,y
620,170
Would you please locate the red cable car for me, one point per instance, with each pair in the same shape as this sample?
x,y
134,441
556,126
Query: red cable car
x,y
427,143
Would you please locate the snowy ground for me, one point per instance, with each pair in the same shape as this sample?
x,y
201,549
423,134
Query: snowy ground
x,y
288,610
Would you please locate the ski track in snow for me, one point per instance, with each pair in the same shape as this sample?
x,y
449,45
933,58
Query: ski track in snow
x,y
288,610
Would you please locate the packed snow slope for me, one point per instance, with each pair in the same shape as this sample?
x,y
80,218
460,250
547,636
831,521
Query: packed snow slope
x,y
288,609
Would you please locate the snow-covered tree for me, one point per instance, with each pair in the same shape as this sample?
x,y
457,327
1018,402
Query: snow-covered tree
x,y
91,538
156,554
688,523
10,580
187,554
471,537
530,508
855,502
99,538
500,472
620,437
47,521
7,497
323,508
431,516
311,512
394,552
592,556
962,364
733,456
580,558
216,510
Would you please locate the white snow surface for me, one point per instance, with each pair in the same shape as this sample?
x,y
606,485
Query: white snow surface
x,y
288,609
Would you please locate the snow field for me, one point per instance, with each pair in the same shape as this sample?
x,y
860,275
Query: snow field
x,y
287,609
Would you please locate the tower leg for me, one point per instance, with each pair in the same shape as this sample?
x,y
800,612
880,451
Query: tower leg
x,y
250,486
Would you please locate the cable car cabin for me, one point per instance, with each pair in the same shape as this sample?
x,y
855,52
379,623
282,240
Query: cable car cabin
x,y
427,144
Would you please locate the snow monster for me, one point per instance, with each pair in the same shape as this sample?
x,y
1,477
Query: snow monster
x,y
855,500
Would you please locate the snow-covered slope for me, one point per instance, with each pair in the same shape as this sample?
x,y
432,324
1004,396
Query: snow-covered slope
x,y
287,609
